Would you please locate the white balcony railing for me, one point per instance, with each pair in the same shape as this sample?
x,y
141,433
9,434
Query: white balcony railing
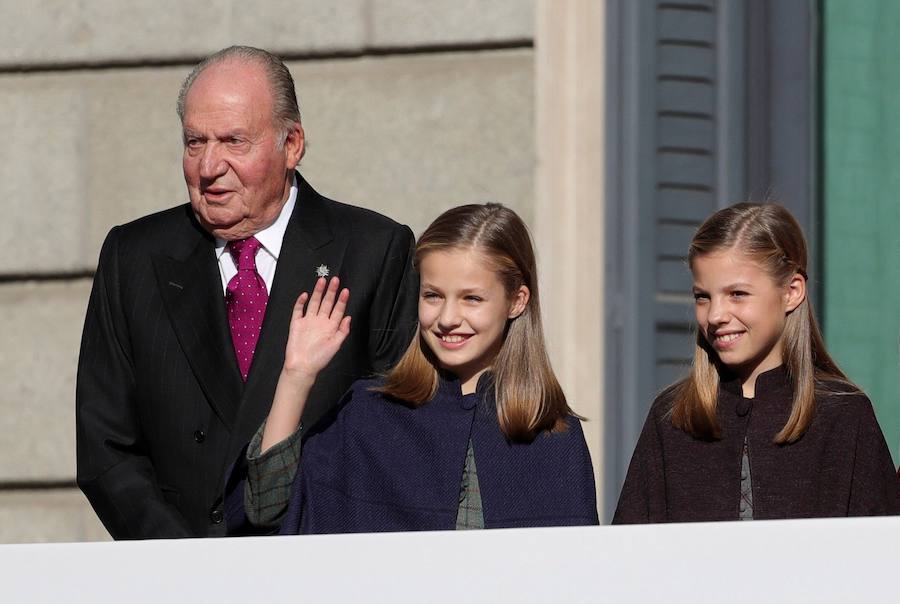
x,y
841,560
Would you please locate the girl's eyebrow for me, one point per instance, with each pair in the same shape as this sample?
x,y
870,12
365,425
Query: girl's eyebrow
x,y
738,285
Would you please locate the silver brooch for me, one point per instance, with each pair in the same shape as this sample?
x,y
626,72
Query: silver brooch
x,y
322,270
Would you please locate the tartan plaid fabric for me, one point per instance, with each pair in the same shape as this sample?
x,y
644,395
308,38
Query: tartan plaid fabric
x,y
269,478
470,514
746,486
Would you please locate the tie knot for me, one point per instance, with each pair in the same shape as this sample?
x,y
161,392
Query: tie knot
x,y
243,252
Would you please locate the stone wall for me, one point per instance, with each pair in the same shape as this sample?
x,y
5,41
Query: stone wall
x,y
410,107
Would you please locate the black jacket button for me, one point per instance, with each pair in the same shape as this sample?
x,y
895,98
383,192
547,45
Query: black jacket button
x,y
216,516
199,436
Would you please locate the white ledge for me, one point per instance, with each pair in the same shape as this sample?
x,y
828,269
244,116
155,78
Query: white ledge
x,y
839,560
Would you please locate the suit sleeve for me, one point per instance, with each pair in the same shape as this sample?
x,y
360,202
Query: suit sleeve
x,y
393,312
113,468
874,490
643,497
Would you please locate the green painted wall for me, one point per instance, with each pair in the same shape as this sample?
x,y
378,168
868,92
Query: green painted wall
x,y
861,122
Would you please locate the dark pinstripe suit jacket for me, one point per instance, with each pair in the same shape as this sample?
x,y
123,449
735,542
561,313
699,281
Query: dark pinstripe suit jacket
x,y
161,410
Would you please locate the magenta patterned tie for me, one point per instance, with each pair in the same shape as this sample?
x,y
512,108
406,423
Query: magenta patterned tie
x,y
245,298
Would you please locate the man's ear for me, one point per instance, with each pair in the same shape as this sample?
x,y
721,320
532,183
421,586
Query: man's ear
x,y
294,145
519,302
795,292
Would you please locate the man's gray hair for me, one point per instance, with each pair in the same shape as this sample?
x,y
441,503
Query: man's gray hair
x,y
285,110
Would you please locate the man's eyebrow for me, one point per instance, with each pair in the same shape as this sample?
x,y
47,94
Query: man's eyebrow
x,y
237,132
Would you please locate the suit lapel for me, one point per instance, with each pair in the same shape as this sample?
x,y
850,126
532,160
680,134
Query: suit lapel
x,y
308,242
201,325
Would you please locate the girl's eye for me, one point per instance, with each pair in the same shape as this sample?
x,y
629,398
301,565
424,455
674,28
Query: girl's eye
x,y
473,299
698,297
429,295
738,294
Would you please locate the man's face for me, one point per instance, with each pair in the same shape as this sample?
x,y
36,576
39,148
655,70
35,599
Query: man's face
x,y
237,176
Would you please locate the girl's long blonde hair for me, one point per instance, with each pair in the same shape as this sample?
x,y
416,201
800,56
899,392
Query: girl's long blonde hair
x,y
771,236
528,395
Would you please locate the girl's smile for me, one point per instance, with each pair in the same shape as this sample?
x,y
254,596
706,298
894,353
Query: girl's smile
x,y
725,341
453,341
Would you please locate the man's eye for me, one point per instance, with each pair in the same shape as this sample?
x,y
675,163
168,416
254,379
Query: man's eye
x,y
234,141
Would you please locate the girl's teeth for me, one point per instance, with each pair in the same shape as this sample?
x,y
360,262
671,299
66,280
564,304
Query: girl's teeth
x,y
728,337
452,339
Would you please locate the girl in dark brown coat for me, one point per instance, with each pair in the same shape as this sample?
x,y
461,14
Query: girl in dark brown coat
x,y
766,425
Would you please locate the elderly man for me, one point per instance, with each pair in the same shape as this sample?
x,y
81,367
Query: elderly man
x,y
188,318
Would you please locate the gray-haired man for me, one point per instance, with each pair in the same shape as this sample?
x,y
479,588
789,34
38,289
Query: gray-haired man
x,y
185,332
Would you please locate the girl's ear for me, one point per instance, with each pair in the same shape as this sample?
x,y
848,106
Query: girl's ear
x,y
519,302
795,292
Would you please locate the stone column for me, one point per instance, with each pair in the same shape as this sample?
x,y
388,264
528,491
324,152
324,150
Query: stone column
x,y
569,201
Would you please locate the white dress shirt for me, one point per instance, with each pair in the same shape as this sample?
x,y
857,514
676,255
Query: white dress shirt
x,y
270,239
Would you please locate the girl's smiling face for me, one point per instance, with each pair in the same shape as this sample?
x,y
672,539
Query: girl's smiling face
x,y
463,311
741,311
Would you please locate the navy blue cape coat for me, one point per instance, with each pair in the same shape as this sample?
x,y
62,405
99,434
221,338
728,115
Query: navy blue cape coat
x,y
379,465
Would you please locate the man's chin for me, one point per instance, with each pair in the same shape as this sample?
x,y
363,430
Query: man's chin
x,y
241,230
229,230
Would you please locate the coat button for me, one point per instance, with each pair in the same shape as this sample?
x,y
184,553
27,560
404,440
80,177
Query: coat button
x,y
199,436
216,516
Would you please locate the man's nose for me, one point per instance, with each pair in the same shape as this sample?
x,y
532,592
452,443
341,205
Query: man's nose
x,y
212,162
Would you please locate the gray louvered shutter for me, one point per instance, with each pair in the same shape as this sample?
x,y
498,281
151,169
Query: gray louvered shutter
x,y
686,169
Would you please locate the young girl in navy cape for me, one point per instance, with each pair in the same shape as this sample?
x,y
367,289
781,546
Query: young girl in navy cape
x,y
766,425
469,430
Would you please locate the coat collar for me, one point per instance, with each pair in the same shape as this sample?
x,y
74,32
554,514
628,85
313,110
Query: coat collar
x,y
450,388
308,232
199,320
772,383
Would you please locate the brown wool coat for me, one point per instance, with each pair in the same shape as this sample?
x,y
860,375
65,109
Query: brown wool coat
x,y
841,466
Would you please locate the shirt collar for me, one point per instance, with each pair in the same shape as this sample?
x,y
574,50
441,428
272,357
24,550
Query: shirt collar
x,y
272,236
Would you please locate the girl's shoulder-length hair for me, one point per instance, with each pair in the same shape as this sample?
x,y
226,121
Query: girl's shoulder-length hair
x,y
529,398
769,234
